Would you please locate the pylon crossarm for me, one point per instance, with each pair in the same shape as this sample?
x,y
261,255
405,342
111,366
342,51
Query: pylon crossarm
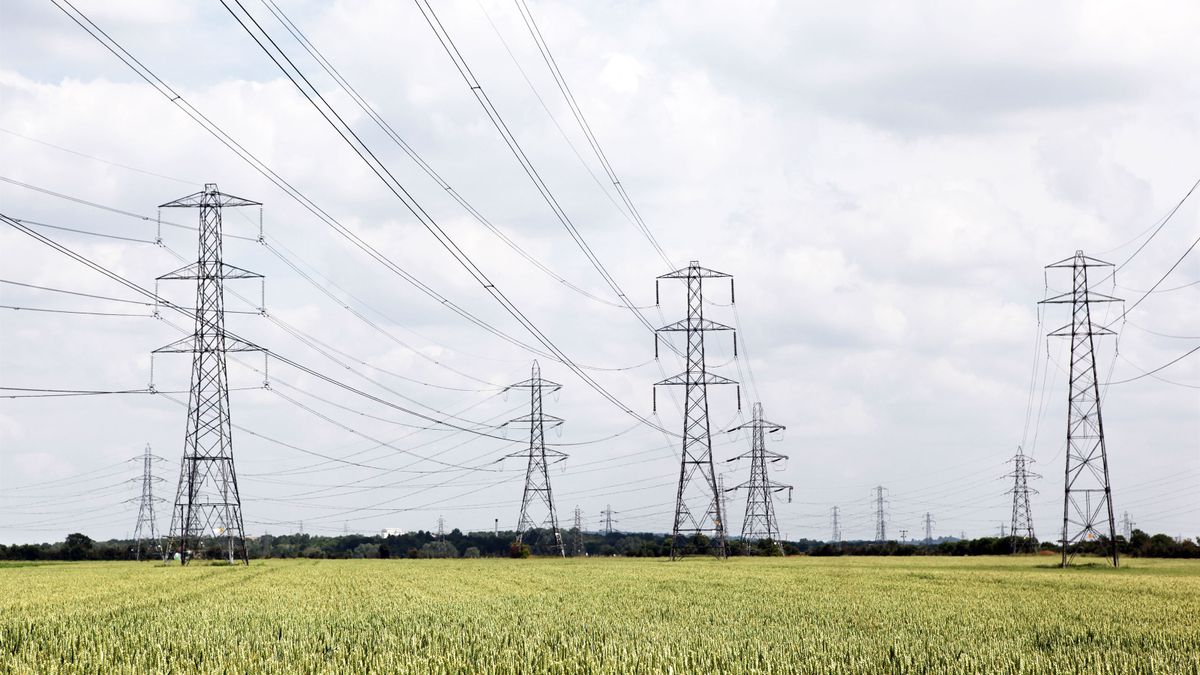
x,y
685,379
693,325
208,198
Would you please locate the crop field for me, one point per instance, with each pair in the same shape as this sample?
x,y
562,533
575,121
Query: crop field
x,y
806,615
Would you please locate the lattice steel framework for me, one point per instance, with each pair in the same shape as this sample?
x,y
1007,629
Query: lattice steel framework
x,y
928,527
577,549
698,508
1021,525
537,474
1087,492
607,520
146,531
836,524
760,521
880,516
208,507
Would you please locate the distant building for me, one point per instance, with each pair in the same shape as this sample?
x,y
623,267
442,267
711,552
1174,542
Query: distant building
x,y
392,532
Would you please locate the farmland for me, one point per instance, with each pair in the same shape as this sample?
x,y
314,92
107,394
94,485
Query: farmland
x,y
815,615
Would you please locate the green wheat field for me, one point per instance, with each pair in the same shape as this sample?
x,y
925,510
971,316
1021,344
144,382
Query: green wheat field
x,y
745,615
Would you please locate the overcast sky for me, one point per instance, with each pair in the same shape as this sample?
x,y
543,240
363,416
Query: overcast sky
x,y
885,182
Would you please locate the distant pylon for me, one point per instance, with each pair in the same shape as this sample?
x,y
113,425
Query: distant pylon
x,y
928,527
208,506
1087,492
1003,530
1024,539
537,473
835,521
577,549
607,520
1127,526
760,521
698,508
441,533
880,521
146,531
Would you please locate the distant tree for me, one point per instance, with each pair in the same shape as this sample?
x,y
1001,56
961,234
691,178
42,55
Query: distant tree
x,y
518,550
767,547
77,547
471,552
366,551
439,549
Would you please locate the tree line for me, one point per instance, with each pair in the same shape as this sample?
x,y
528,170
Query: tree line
x,y
457,544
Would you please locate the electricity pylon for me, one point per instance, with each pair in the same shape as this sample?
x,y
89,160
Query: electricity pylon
x,y
760,521
1087,492
577,550
441,533
698,508
880,523
607,520
837,525
537,473
1024,539
146,531
208,507
928,527
1127,526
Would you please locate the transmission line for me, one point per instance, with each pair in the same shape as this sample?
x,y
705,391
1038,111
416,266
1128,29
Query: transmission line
x,y
90,27
388,130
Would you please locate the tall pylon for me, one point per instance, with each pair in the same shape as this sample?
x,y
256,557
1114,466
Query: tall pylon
x,y
928,527
441,533
698,508
760,521
1021,527
880,520
835,522
208,506
607,520
146,531
537,472
577,549
1087,492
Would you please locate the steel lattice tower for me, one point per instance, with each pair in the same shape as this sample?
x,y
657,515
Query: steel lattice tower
x,y
1021,525
928,527
208,506
698,508
146,531
1127,526
835,522
537,473
760,521
880,523
577,545
607,520
1087,492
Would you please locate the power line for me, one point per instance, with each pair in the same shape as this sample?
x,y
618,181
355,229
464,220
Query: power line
x,y
277,356
72,311
1172,362
518,152
177,99
548,57
380,170
388,130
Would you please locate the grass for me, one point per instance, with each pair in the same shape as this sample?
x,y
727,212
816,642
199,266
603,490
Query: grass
x,y
806,615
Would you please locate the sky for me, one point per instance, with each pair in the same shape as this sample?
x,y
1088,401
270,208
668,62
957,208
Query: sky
x,y
885,182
